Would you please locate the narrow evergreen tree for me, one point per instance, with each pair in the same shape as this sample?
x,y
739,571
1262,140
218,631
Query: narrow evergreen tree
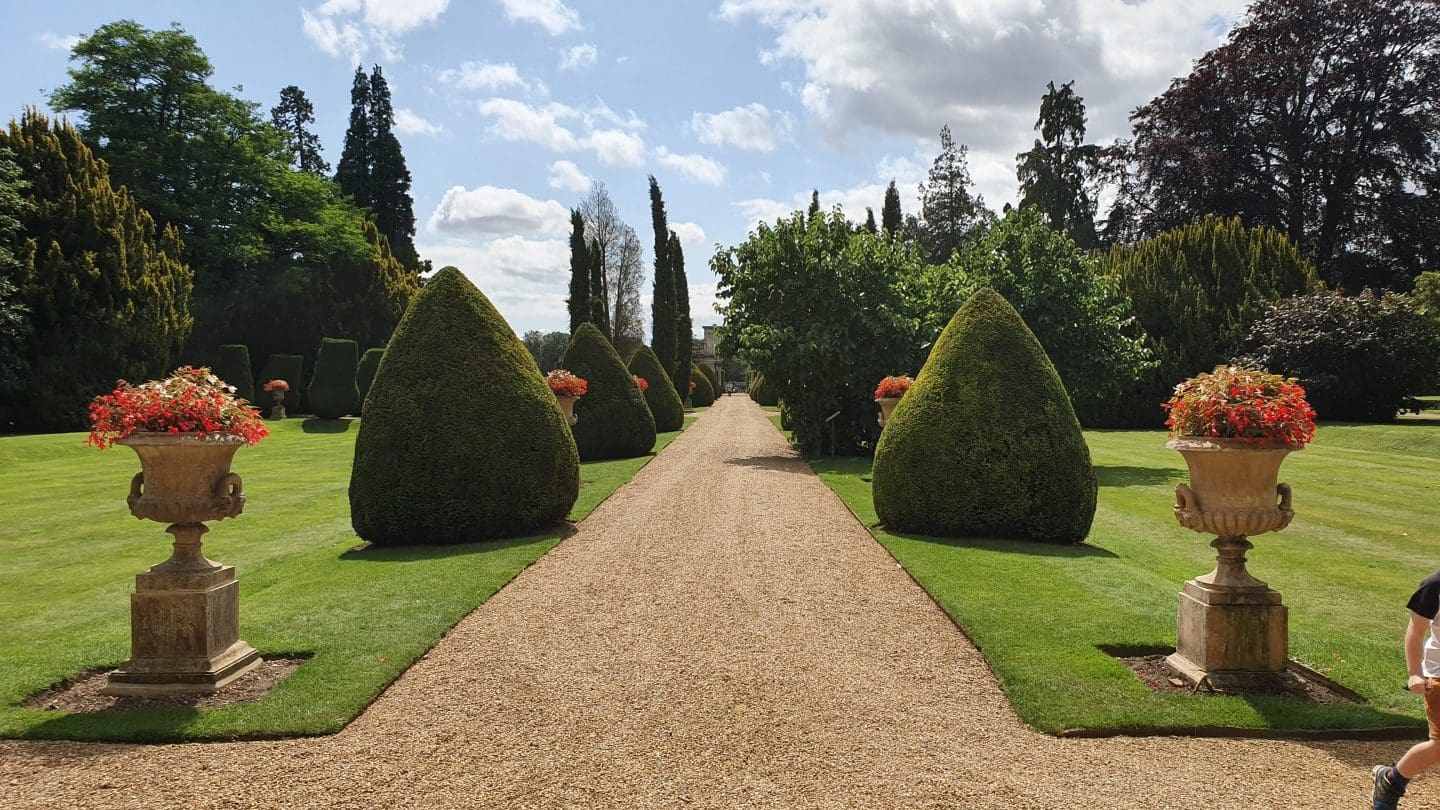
x,y
891,218
579,301
684,337
1055,174
105,293
663,334
870,225
599,293
950,212
353,170
389,178
814,204
294,116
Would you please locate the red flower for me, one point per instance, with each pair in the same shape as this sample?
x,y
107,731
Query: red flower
x,y
692,386
893,387
642,383
276,385
565,384
191,400
1240,403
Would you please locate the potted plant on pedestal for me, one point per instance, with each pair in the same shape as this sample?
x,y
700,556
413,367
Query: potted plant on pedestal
x,y
568,389
277,389
888,394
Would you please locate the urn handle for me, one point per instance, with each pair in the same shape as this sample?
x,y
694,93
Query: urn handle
x,y
137,490
1185,499
230,487
1284,490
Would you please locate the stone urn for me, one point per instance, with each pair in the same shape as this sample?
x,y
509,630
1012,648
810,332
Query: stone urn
x,y
277,411
184,614
1232,629
887,407
567,404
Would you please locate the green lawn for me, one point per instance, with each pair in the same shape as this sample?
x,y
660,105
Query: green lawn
x,y
69,551
1367,530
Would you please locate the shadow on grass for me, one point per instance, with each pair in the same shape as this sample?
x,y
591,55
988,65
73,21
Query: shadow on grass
x,y
317,425
416,553
1031,548
146,725
1122,476
785,464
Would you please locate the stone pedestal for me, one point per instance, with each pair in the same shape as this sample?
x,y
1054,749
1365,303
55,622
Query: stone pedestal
x,y
1233,638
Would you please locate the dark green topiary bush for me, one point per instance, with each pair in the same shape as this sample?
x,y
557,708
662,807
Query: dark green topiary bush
x,y
785,422
713,377
704,394
369,362
287,367
614,421
764,393
461,440
664,402
232,364
333,392
986,442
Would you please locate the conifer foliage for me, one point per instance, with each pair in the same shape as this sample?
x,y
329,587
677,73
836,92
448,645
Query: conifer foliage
x,y
664,401
684,326
613,418
372,168
232,365
578,303
662,309
480,453
294,116
333,390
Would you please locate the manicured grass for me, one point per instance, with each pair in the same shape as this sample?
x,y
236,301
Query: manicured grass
x,y
1366,531
69,551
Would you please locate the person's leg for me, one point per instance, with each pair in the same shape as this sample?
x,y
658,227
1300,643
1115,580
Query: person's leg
x,y
1419,759
1392,780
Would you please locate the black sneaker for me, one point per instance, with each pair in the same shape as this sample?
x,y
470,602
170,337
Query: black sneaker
x,y
1384,796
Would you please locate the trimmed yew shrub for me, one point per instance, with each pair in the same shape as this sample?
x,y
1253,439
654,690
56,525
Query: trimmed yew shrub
x,y
287,367
365,375
764,393
704,394
232,364
333,392
986,443
614,421
664,402
479,451
713,377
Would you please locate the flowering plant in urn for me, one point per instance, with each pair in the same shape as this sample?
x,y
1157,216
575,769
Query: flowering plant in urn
x,y
567,389
888,394
642,383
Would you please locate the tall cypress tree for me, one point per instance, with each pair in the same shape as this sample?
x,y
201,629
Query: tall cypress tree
x,y
389,178
891,218
353,170
684,337
814,204
579,301
599,292
662,308
870,226
293,116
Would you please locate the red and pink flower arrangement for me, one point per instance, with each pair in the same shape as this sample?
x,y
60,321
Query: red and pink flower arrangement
x,y
642,383
1241,403
565,384
893,387
276,385
190,400
692,386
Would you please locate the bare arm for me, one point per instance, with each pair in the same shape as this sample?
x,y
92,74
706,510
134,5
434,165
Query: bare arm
x,y
1414,650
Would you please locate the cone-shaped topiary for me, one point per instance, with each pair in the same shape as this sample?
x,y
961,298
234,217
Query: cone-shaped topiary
x,y
461,440
365,375
764,393
704,395
614,421
664,402
287,367
232,364
333,393
986,442
713,377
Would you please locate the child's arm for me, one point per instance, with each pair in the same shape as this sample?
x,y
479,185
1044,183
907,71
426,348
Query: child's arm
x,y
1414,651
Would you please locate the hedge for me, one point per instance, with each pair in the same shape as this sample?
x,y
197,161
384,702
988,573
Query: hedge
x,y
232,364
704,394
664,402
333,392
365,375
614,421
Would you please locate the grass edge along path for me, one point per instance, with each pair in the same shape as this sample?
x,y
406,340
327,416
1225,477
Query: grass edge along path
x,y
69,552
1363,536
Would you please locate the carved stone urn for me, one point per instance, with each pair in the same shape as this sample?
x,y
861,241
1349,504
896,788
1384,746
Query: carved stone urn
x,y
185,612
567,404
887,407
1232,629
277,411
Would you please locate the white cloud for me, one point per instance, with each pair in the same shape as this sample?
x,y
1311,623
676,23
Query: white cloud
x,y
697,167
58,42
616,147
491,211
526,279
552,15
517,121
475,75
410,123
578,57
980,65
690,233
567,176
750,127
353,28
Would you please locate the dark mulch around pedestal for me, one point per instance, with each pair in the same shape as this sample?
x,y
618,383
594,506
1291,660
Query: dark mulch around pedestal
x,y
81,694
1154,672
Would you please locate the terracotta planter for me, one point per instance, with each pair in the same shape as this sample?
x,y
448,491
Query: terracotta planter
x,y
887,407
567,404
1234,489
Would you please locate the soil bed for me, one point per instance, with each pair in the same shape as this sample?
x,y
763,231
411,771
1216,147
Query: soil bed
x,y
81,694
1154,672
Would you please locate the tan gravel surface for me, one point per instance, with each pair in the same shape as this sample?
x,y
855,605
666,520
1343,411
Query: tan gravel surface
x,y
720,633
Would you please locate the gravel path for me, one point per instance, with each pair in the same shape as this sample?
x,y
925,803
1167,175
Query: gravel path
x,y
720,633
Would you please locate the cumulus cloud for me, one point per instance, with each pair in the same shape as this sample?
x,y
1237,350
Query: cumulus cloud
x,y
578,57
690,233
410,123
567,176
616,147
477,75
526,279
552,15
979,65
515,120
696,167
491,211
354,28
750,127
58,42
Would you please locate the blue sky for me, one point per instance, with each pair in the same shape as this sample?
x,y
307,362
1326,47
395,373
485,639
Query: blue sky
x,y
507,108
